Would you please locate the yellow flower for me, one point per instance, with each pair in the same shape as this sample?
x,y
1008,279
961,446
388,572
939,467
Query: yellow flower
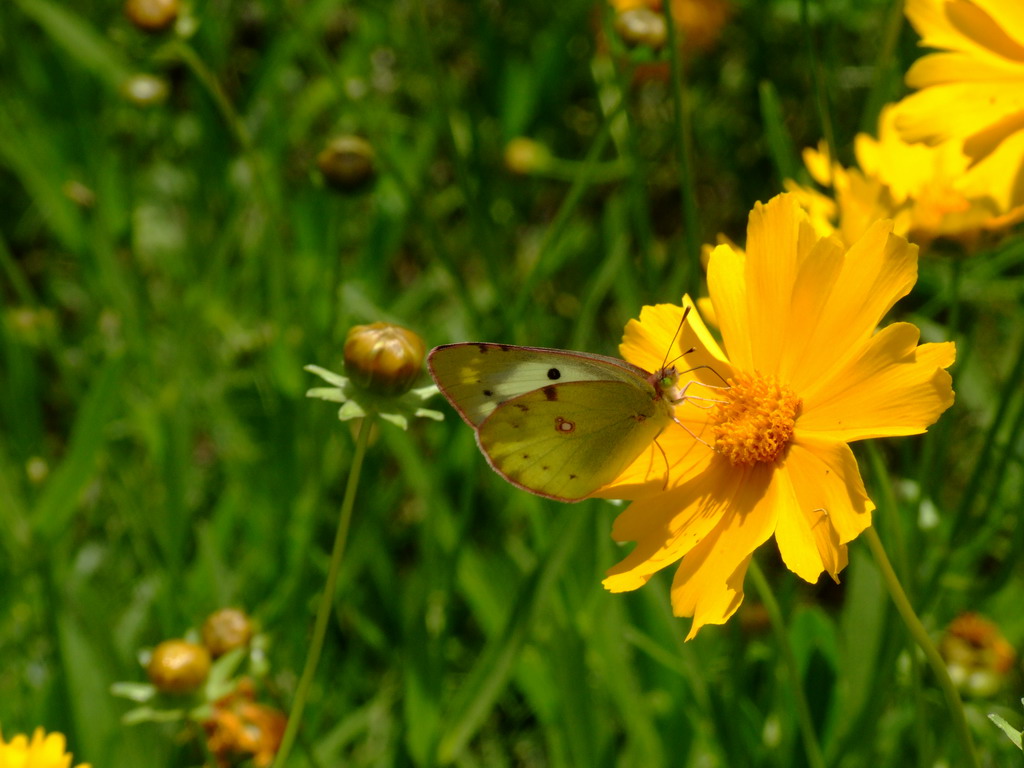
x,y
928,191
807,375
972,90
42,752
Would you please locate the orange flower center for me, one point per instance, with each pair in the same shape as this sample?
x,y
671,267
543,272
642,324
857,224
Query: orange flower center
x,y
755,421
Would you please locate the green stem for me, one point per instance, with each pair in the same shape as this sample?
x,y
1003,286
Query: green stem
x,y
684,139
815,758
924,642
323,613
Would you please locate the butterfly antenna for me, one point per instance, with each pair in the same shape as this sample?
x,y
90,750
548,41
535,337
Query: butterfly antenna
x,y
682,321
708,367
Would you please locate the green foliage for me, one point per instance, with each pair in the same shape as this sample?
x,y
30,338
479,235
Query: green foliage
x,y
167,270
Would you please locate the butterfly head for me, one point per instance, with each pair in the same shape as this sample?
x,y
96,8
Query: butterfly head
x,y
666,384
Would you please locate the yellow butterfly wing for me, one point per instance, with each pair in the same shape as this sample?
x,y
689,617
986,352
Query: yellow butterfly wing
x,y
565,441
477,378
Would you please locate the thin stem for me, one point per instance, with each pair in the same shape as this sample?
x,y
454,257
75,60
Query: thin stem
x,y
924,642
684,138
323,612
815,758
820,91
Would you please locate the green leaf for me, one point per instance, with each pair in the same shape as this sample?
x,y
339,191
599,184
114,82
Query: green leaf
x,y
1009,730
79,40
59,499
495,666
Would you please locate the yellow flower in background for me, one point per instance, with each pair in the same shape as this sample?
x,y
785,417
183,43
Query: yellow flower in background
x,y
808,374
44,751
928,191
972,90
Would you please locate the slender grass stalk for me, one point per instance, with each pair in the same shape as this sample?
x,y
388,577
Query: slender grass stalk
x,y
820,91
684,139
924,642
815,757
323,613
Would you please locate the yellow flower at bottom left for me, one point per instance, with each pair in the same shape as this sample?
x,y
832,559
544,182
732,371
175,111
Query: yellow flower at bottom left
x,y
43,751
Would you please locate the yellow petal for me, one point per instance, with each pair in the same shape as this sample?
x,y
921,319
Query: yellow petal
x,y
811,289
669,525
727,289
890,387
709,582
676,453
878,269
830,508
1009,16
780,238
998,177
975,26
955,110
646,341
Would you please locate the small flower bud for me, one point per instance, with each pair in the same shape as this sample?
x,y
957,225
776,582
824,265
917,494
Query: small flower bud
x,y
225,630
641,26
144,90
347,163
382,358
152,15
524,156
178,666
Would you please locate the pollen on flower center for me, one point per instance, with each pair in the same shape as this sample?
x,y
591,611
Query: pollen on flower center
x,y
754,422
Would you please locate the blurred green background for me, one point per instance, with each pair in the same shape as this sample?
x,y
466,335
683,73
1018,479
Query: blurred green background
x,y
169,263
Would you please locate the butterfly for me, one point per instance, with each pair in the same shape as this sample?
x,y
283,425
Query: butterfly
x,y
557,423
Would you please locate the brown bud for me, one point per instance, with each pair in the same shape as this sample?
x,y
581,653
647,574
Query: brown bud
x,y
382,358
225,630
347,163
178,666
152,15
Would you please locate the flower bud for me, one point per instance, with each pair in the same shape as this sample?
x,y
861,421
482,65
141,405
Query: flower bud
x,y
178,666
382,358
144,90
641,26
225,630
152,15
347,163
524,156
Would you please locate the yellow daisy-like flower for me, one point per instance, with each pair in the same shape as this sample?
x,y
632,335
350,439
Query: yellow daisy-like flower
x,y
973,89
928,191
44,751
807,374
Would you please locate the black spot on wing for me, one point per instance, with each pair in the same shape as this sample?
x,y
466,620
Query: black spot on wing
x,y
488,393
551,393
554,374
